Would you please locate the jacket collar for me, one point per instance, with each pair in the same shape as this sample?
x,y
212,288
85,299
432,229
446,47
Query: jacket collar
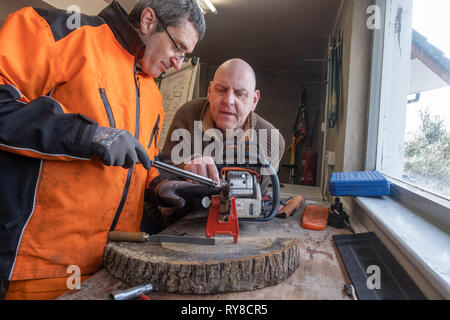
x,y
116,18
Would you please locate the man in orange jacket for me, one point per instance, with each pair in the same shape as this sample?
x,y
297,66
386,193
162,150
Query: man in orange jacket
x,y
77,106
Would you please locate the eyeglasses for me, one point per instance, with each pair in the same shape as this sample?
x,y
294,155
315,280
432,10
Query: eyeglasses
x,y
180,54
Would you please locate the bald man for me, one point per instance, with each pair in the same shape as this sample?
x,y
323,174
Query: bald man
x,y
225,115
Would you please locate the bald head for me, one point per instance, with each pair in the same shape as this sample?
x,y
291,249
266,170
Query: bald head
x,y
238,68
232,94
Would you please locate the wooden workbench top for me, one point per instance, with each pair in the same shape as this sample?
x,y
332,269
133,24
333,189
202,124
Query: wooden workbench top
x,y
321,274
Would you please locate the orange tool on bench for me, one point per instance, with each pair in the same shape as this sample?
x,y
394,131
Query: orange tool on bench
x,y
315,217
290,207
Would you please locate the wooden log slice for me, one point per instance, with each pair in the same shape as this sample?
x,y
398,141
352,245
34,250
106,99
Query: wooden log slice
x,y
263,256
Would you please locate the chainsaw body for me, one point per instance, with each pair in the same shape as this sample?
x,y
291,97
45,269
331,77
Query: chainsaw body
x,y
240,197
244,186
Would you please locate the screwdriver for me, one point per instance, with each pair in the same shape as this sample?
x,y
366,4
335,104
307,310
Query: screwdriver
x,y
184,173
120,236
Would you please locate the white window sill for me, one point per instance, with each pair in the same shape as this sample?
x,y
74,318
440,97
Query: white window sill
x,y
425,245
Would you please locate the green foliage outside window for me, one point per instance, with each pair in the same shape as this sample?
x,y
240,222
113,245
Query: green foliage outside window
x,y
427,155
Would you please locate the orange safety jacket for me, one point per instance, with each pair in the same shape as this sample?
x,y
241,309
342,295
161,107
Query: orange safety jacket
x,y
57,85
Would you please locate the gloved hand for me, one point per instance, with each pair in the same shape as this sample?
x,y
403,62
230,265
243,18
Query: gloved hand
x,y
175,193
117,147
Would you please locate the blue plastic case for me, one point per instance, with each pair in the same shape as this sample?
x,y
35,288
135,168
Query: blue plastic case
x,y
364,184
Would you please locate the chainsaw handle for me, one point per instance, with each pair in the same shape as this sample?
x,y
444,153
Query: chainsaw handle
x,y
275,196
274,179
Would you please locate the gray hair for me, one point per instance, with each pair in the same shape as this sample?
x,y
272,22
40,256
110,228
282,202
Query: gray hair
x,y
172,13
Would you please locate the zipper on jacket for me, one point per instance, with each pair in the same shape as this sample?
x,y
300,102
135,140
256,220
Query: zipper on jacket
x,y
137,84
107,106
130,171
155,133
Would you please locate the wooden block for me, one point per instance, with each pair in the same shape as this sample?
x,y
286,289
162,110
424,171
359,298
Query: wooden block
x,y
262,257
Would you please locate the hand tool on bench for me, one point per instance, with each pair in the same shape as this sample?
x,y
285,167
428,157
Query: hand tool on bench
x,y
338,218
132,293
120,236
290,207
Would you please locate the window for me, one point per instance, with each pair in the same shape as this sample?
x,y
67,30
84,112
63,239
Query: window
x,y
409,127
407,137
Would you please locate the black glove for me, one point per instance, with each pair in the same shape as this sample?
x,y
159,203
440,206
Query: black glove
x,y
175,193
117,147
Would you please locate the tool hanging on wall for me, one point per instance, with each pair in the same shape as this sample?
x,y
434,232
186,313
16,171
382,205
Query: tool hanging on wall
x,y
299,133
334,108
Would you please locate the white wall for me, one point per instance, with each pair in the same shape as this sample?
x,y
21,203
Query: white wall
x,y
348,138
89,7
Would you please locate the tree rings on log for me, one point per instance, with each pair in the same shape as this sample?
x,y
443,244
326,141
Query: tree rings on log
x,y
259,259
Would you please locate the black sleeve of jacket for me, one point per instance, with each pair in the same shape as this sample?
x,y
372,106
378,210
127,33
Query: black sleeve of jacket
x,y
163,176
42,128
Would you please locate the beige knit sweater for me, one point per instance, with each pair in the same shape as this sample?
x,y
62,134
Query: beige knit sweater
x,y
195,118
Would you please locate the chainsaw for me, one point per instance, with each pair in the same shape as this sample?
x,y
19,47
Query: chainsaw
x,y
239,198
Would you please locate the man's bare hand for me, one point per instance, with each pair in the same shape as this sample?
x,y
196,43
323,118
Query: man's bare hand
x,y
204,166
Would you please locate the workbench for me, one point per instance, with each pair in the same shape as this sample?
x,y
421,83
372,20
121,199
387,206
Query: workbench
x,y
320,276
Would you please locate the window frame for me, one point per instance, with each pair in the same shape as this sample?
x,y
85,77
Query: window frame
x,y
382,94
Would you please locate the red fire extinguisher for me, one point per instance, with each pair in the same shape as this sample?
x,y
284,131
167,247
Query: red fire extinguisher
x,y
309,161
